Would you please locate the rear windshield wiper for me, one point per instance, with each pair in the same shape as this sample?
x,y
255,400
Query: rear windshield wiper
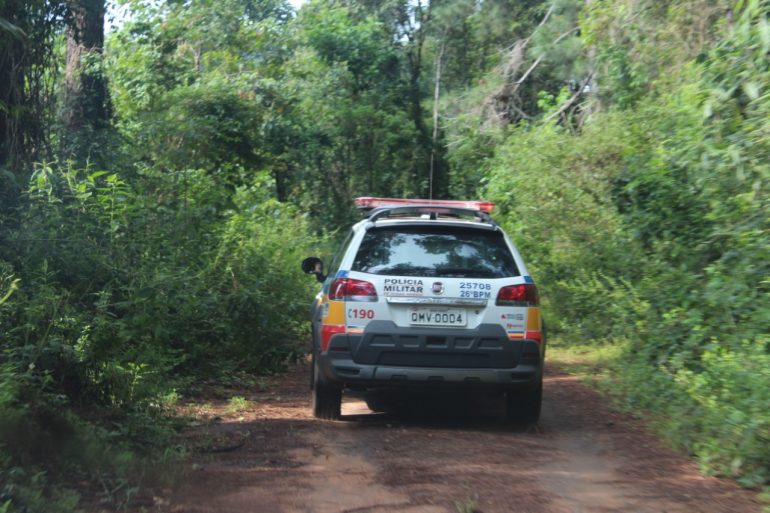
x,y
402,270
464,272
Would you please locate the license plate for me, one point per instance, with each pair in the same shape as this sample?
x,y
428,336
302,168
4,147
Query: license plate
x,y
437,317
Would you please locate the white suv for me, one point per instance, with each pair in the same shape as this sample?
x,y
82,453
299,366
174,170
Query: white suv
x,y
427,293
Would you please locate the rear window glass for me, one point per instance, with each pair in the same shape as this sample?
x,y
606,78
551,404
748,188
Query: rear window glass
x,y
442,251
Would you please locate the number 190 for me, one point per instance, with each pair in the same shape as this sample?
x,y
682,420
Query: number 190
x,y
361,313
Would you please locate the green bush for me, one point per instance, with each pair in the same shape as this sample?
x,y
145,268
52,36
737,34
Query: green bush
x,y
556,201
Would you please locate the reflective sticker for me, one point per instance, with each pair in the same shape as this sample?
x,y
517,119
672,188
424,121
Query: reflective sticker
x,y
514,335
327,332
342,274
533,319
335,314
537,336
528,279
355,330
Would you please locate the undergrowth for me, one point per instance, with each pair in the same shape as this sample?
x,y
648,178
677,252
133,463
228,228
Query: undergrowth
x,y
115,295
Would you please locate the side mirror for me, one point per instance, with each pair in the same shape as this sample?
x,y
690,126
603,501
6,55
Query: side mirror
x,y
314,265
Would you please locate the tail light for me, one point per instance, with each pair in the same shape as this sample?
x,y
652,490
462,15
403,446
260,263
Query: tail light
x,y
518,295
348,289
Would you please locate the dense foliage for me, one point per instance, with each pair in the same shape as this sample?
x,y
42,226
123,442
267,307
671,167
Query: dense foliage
x,y
624,142
124,286
649,225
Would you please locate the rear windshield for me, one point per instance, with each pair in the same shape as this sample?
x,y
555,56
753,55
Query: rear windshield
x,y
443,251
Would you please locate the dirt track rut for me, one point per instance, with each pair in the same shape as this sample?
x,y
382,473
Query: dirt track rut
x,y
581,457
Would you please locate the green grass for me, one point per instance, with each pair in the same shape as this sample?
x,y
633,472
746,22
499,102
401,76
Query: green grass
x,y
595,364
237,404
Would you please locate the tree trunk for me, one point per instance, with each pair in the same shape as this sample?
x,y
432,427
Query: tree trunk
x,y
416,36
436,97
27,35
11,96
14,67
86,100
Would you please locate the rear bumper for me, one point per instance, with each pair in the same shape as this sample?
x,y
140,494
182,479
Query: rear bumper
x,y
386,355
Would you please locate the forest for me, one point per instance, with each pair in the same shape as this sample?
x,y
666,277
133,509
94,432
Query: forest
x,y
166,164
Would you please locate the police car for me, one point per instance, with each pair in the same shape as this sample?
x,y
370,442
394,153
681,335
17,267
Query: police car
x,y
426,293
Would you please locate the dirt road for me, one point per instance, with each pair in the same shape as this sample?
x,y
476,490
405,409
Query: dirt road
x,y
274,457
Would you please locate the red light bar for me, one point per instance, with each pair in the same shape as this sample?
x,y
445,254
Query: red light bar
x,y
369,202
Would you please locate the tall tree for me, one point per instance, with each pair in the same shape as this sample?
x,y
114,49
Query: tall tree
x,y
27,33
408,25
11,82
86,100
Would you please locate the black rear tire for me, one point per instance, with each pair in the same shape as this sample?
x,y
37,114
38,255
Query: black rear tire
x,y
523,406
376,401
327,398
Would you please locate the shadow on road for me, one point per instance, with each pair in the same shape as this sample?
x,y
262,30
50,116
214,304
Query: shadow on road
x,y
431,409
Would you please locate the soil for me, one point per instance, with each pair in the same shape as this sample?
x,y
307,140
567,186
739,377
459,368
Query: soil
x,y
439,455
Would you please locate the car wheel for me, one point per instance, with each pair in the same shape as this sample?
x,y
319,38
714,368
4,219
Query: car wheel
x,y
376,402
523,406
327,398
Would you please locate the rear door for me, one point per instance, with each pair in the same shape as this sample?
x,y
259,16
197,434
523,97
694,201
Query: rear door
x,y
444,276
